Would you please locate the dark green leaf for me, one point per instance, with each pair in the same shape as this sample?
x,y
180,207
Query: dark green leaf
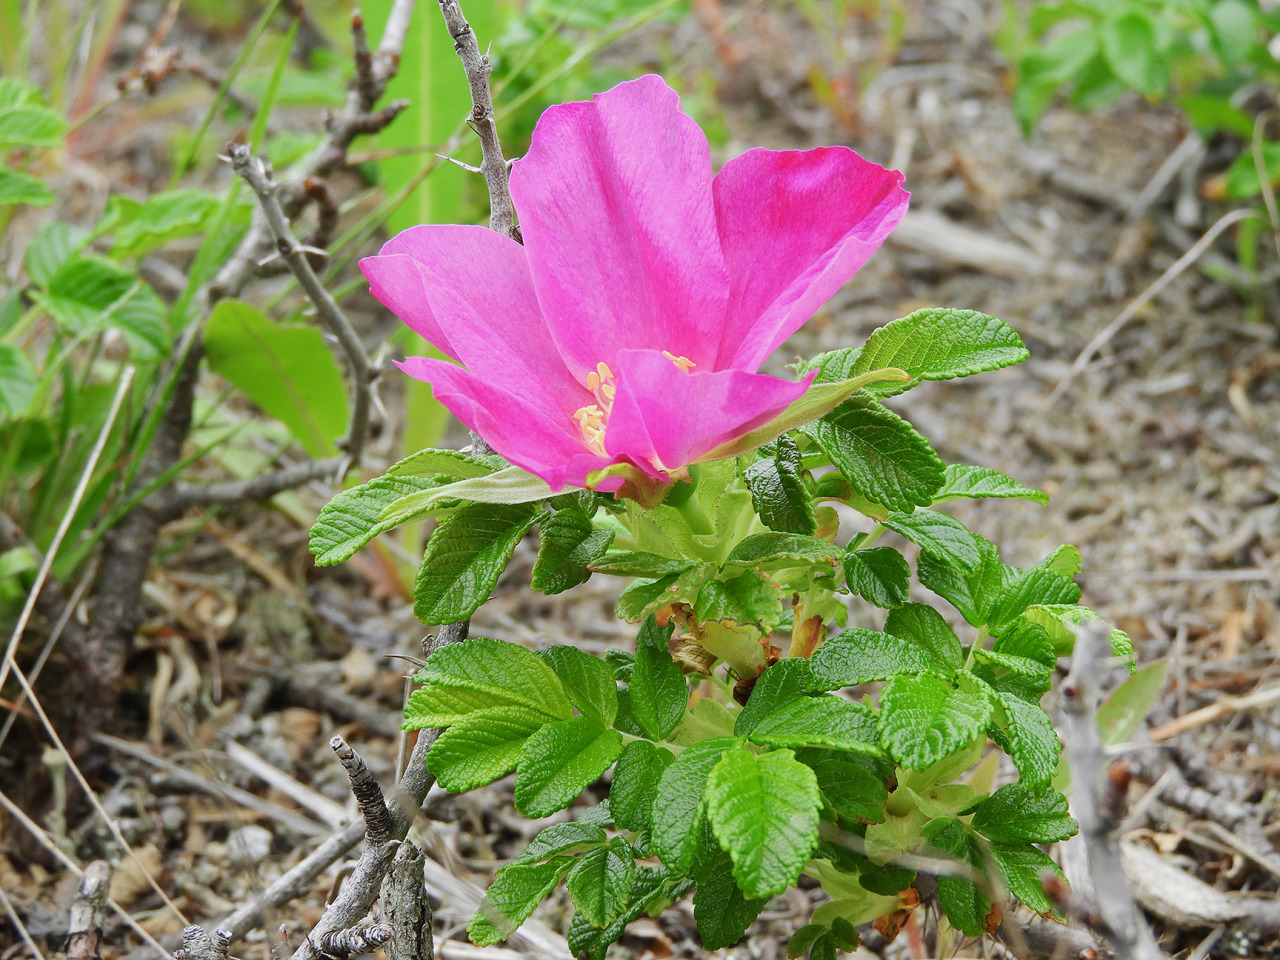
x,y
780,550
861,656
764,811
464,558
963,482
971,593
778,490
513,896
652,885
563,838
968,907
644,597
926,627
635,784
588,682
680,802
780,684
478,675
1037,586
849,783
822,720
882,455
350,520
560,761
634,564
878,574
924,718
600,882
658,691
1029,737
945,537
1024,869
720,910
569,545
1014,814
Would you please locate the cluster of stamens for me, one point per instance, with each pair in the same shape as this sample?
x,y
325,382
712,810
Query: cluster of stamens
x,y
594,417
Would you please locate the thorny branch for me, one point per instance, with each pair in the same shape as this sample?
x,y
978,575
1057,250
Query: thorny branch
x,y
493,166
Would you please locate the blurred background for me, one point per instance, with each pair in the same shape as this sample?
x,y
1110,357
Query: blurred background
x,y
1098,173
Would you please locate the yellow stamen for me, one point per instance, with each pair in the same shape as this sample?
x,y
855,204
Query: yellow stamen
x,y
591,421
684,363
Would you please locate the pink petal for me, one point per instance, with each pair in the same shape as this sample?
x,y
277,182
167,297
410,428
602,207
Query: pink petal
x,y
669,418
476,286
795,226
615,203
397,284
525,435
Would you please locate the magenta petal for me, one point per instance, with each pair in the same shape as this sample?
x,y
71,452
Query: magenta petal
x,y
516,429
397,283
615,204
477,285
670,418
795,226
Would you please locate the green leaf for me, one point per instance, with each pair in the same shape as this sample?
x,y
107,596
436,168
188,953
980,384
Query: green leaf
x,y
285,369
968,483
350,520
1016,814
1024,869
1034,587
1029,738
1122,713
635,784
480,749
680,802
818,400
636,564
560,761
482,674
30,125
878,574
924,718
513,896
587,680
652,886
464,558
720,910
778,490
926,627
1129,43
968,907
764,811
939,343
511,486
600,882
971,593
563,838
432,462
822,720
18,382
644,597
882,455
752,598
1025,648
569,546
140,228
18,187
776,550
855,791
659,693
1235,30
861,656
52,246
1058,618
1044,69
945,537
779,685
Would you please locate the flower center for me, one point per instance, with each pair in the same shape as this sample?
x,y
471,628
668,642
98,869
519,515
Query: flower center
x,y
594,417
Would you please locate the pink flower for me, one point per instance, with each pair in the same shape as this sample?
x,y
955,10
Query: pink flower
x,y
629,326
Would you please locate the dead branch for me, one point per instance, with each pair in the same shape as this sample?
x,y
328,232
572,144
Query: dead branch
x,y
84,928
355,941
198,945
1120,918
262,487
405,906
1034,938
368,794
493,166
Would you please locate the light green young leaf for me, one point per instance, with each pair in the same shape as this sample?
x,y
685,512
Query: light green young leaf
x,y
446,463
600,882
560,761
1016,814
31,125
1035,587
658,690
884,457
880,575
480,749
139,228
819,399
465,556
751,598
53,245
778,490
861,656
513,896
482,674
629,563
764,811
1057,619
285,369
925,626
18,187
644,597
587,680
777,550
1122,713
569,545
509,487
964,483
18,382
939,344
681,800
822,720
635,784
350,520
924,718
945,537
1129,42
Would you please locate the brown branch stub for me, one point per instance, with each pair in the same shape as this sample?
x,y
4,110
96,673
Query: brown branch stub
x,y
354,941
368,793
84,927
198,945
493,165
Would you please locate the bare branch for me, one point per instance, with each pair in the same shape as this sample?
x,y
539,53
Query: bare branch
x,y
84,928
405,906
502,215
255,172
357,940
262,487
368,794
